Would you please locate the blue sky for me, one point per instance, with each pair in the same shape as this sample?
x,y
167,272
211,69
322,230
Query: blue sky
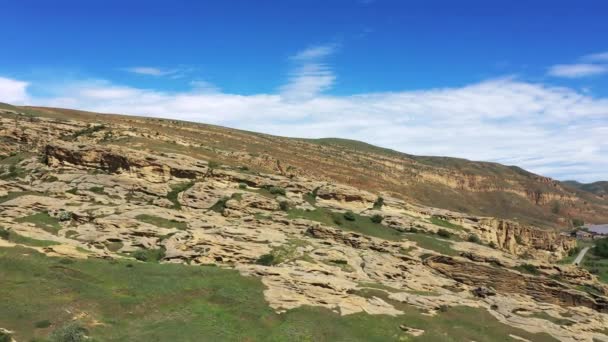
x,y
522,83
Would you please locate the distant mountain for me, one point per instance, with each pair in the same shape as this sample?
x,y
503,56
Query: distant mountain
x,y
599,188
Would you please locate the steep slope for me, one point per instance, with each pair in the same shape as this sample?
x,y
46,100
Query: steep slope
x,y
136,236
478,188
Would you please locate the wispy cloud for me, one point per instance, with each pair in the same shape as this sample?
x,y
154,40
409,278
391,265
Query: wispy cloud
x,y
150,71
577,70
589,65
314,52
601,57
311,76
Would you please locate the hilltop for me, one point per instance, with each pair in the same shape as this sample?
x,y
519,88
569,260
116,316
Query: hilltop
x,y
478,188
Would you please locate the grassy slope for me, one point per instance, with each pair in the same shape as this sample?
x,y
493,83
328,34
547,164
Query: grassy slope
x,y
156,302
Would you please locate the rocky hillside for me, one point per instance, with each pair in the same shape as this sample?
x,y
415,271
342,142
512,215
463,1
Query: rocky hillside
x,y
478,188
597,188
137,229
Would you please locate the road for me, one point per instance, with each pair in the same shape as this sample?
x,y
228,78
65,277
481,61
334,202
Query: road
x,y
580,256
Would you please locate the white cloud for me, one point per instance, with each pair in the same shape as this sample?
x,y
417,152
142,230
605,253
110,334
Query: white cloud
x,y
315,52
577,70
555,131
311,77
598,57
13,91
150,71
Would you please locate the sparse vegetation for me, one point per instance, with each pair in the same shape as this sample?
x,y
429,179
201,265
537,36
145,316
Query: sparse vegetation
x,y
528,268
473,238
42,220
444,233
349,216
162,222
149,255
377,218
175,190
220,205
378,203
275,190
438,221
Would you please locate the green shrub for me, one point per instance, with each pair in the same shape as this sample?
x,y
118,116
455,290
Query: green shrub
x,y
284,205
72,332
379,203
4,234
266,260
42,324
578,222
601,248
528,268
444,233
492,245
220,205
377,218
65,216
519,240
473,238
149,255
242,186
5,337
276,190
349,216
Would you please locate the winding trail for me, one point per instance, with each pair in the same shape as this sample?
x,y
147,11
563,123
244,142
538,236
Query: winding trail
x,y
580,256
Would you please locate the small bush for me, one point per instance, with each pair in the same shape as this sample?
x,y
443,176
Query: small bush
x,y
413,230
473,238
519,240
379,203
220,205
339,261
377,218
5,337
444,233
149,255
492,245
284,206
578,222
528,268
42,324
349,216
266,260
601,248
72,332
4,234
65,216
275,190
242,186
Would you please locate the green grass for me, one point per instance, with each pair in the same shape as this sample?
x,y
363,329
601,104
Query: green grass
x,y
175,190
10,235
43,221
162,222
360,224
528,268
168,302
13,195
547,317
432,243
596,265
444,223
